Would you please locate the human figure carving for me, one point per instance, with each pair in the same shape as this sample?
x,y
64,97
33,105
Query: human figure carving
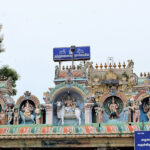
x,y
113,109
16,116
136,112
68,104
136,117
9,114
3,117
126,112
38,114
99,114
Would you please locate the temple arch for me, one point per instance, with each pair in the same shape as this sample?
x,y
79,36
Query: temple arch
x,y
77,97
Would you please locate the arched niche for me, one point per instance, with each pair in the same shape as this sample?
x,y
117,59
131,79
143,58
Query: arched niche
x,y
118,94
64,87
32,98
62,95
22,102
107,116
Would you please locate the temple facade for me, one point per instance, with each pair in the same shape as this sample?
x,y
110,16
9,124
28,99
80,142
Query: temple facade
x,y
96,107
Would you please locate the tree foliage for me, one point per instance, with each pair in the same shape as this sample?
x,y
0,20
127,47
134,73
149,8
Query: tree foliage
x,y
7,72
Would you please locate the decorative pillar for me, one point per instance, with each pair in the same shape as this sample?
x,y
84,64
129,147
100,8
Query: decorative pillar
x,y
88,107
49,113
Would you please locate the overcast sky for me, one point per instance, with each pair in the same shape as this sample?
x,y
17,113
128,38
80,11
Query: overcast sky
x,y
31,28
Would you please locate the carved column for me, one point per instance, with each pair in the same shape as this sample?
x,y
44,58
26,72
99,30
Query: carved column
x,y
49,112
88,107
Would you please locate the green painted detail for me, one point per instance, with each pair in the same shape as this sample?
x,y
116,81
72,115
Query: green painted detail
x,y
61,85
103,129
57,87
81,87
141,81
56,129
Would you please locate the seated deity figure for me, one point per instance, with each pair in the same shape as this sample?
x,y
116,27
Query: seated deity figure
x,y
26,113
27,108
113,107
69,105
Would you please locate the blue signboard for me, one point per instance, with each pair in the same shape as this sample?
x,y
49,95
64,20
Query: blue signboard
x,y
65,54
142,140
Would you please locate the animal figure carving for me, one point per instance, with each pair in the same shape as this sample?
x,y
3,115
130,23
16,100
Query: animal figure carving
x,y
61,113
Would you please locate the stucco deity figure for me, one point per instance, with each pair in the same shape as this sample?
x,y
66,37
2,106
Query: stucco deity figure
x,y
113,107
16,116
38,114
136,117
126,112
146,106
26,113
99,114
9,114
3,117
69,105
136,112
27,108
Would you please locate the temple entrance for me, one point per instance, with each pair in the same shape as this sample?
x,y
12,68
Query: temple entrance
x,y
113,109
145,110
68,108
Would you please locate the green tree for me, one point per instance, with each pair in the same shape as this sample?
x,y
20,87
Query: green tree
x,y
6,72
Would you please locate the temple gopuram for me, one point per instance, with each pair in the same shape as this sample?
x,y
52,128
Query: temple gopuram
x,y
97,107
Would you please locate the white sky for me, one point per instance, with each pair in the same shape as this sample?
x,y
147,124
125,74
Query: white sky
x,y
31,28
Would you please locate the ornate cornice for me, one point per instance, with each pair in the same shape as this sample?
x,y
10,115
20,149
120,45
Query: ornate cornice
x,y
27,96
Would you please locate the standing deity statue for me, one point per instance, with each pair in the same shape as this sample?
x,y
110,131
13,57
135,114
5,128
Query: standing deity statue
x,y
135,112
9,114
16,116
38,114
136,116
126,112
3,117
113,107
99,114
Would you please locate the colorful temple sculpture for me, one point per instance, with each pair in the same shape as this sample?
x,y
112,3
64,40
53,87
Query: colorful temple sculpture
x,y
105,103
